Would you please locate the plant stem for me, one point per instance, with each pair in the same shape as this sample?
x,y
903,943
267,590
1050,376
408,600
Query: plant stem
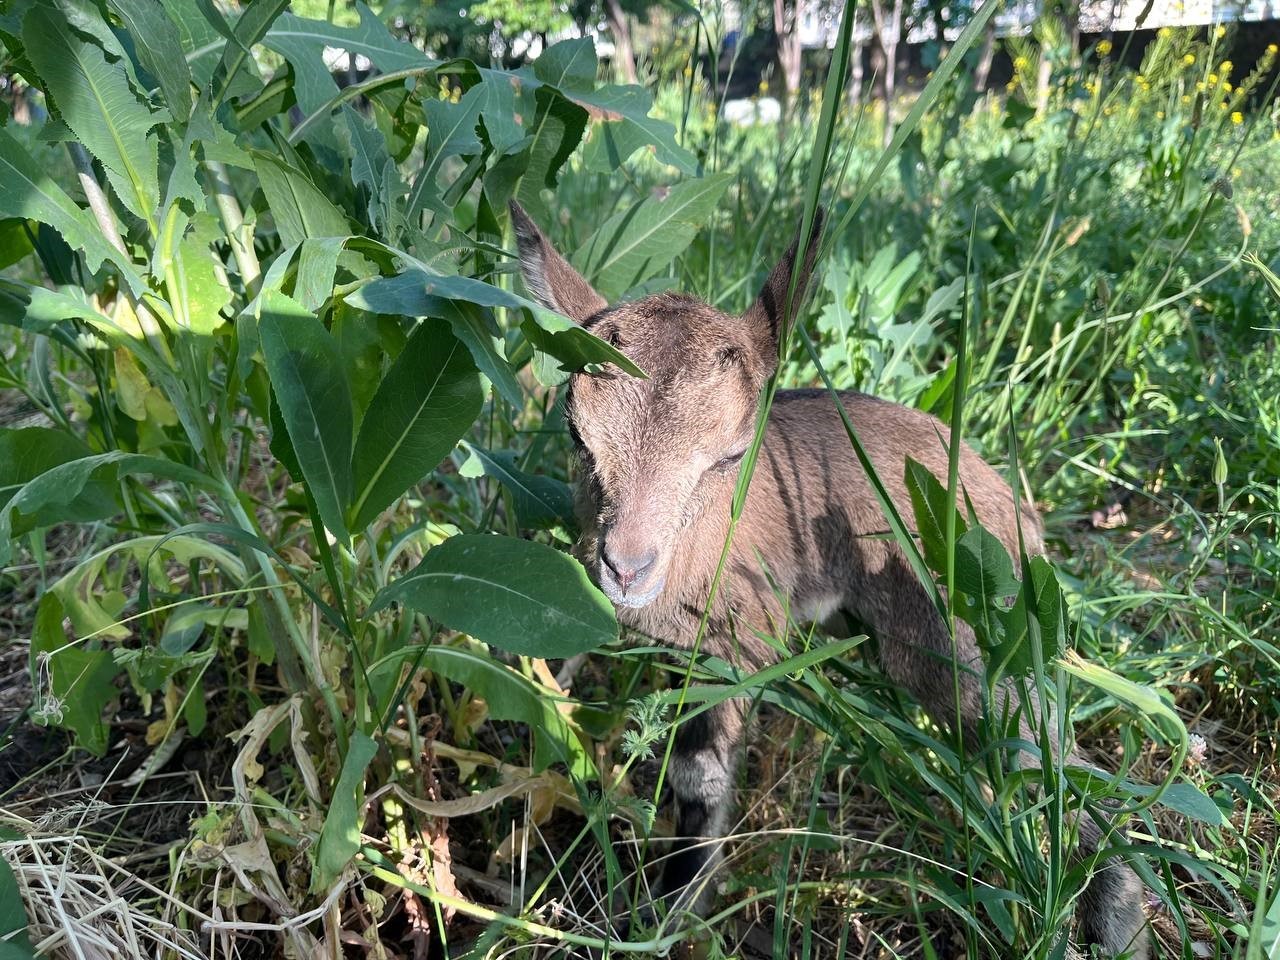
x,y
239,232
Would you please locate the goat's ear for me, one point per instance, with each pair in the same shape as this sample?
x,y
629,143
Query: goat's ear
x,y
550,279
768,316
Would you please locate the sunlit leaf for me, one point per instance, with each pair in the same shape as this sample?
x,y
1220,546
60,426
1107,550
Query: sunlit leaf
x,y
522,596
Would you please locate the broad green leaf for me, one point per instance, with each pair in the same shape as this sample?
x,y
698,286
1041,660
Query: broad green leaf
x,y
983,568
929,504
540,501
27,191
73,682
509,696
15,240
317,264
426,402
95,100
524,597
416,293
299,207
340,834
472,325
569,66
13,915
36,308
1184,798
302,42
315,401
634,245
159,49
202,289
26,454
499,113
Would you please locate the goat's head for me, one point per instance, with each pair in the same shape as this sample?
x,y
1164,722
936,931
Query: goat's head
x,y
656,451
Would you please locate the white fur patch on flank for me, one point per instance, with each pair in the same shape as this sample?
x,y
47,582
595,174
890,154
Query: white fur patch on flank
x,y
818,608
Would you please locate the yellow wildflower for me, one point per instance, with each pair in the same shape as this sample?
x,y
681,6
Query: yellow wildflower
x,y
1225,67
1226,87
1020,63
1185,98
1237,118
1104,47
1200,86
1164,32
1220,32
1272,49
1213,78
1236,172
1224,105
1189,59
1159,114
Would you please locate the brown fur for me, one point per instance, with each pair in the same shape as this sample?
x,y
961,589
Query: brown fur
x,y
660,469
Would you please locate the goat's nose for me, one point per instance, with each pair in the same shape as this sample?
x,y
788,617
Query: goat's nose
x,y
628,569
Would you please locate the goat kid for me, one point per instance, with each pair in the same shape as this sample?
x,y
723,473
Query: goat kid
x,y
661,458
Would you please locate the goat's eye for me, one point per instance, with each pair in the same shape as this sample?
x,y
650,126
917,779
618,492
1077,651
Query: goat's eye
x,y
726,463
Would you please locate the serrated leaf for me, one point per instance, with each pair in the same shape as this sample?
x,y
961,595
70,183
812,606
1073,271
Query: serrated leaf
x,y
311,387
27,191
634,245
451,130
302,42
626,112
340,834
159,49
202,45
95,100
524,597
373,168
424,405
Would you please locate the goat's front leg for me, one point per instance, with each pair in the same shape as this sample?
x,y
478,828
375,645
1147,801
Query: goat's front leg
x,y
703,764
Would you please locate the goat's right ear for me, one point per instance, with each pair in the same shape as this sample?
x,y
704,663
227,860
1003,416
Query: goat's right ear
x,y
550,279
768,317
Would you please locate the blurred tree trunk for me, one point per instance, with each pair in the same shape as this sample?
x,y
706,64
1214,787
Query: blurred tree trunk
x,y
623,52
888,33
786,26
855,82
982,73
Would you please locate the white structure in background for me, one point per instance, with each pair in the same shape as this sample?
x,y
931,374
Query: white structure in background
x,y
820,22
746,113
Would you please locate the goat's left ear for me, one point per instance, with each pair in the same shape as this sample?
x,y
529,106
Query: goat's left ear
x,y
550,279
768,316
